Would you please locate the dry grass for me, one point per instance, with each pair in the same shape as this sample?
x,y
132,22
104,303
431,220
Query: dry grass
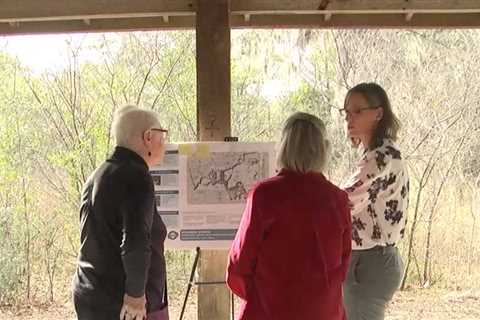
x,y
415,304
432,304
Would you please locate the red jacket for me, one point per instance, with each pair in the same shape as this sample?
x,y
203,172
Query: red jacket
x,y
292,249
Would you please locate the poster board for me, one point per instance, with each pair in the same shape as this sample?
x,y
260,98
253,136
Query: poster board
x,y
201,188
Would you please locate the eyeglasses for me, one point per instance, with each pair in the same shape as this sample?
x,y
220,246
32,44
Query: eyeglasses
x,y
163,131
346,112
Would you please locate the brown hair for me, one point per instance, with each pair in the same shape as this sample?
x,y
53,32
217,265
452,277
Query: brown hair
x,y
376,97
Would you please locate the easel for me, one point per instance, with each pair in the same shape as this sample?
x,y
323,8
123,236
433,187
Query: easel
x,y
191,282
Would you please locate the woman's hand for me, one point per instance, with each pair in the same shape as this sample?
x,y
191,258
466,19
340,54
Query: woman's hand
x,y
133,308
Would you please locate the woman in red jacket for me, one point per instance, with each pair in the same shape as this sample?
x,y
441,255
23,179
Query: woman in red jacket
x,y
292,249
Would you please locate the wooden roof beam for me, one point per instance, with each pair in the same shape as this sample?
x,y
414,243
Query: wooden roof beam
x,y
344,21
53,16
98,25
355,5
54,10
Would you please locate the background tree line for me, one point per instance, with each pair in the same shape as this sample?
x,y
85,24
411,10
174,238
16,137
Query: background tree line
x,y
54,130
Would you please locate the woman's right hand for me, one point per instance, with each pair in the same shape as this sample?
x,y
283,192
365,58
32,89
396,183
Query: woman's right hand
x,y
133,308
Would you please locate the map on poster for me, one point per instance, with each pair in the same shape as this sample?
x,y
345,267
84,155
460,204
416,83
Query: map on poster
x,y
201,188
224,177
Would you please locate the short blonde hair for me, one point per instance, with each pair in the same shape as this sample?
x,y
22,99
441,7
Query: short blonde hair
x,y
130,122
303,146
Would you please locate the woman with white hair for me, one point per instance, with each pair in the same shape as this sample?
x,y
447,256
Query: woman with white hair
x,y
121,265
292,249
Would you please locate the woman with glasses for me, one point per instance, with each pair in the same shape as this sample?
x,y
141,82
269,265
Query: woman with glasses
x,y
291,251
121,265
378,193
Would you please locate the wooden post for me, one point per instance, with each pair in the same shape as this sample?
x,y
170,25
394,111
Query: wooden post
x,y
213,124
213,69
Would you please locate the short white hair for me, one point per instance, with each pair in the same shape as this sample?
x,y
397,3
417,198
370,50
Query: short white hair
x,y
303,146
130,122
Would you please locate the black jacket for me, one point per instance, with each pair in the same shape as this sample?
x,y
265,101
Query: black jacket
x,y
122,235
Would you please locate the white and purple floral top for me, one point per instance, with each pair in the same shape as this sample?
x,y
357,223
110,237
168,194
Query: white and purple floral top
x,y
378,193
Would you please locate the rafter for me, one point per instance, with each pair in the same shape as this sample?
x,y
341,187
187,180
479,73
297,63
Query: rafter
x,y
50,16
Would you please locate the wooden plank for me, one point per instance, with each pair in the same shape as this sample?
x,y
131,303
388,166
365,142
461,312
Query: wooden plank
x,y
354,5
46,10
326,21
54,16
22,10
213,124
97,25
254,21
68,9
377,21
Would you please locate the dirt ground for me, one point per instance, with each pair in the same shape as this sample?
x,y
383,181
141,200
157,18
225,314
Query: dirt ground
x,y
419,304
430,304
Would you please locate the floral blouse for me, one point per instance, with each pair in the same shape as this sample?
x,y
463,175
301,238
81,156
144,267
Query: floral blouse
x,y
378,194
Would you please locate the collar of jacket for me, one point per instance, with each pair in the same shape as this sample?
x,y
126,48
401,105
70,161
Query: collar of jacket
x,y
125,154
290,172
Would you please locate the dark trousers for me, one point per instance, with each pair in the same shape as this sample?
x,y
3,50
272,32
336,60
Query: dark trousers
x,y
86,310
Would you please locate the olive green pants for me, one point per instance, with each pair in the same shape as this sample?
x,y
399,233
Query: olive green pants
x,y
373,277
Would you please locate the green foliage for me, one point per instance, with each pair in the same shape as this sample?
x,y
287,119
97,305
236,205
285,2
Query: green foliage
x,y
55,128
10,260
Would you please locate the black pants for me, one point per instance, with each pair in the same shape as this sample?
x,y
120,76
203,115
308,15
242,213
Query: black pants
x,y
86,310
